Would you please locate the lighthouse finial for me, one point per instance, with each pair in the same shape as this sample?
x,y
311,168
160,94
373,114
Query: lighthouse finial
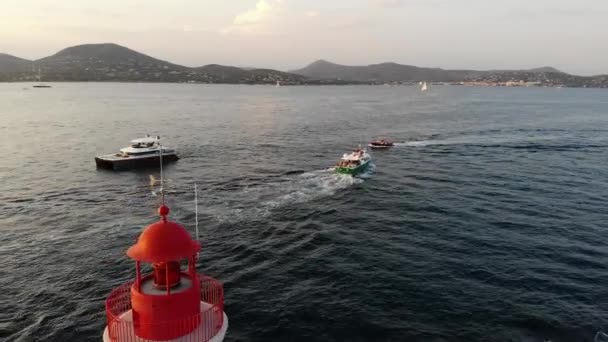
x,y
163,211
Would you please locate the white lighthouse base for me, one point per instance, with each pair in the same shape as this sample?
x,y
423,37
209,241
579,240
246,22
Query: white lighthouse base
x,y
130,336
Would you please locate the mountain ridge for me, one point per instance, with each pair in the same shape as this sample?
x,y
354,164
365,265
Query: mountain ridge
x,y
106,52
9,63
394,72
113,62
110,62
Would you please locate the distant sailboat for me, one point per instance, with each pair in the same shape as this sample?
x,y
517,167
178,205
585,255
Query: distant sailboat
x,y
278,84
40,85
424,87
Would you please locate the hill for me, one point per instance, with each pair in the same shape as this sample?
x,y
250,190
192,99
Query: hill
x,y
393,72
225,73
108,53
398,73
230,74
383,72
545,69
107,62
10,64
115,63
112,62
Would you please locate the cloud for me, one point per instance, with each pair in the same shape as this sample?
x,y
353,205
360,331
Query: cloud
x,y
256,20
311,13
352,23
263,9
401,3
273,18
556,12
388,3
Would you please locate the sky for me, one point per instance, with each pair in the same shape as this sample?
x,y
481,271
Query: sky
x,y
570,35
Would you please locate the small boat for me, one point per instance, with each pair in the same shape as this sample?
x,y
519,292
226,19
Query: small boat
x,y
353,163
424,87
278,84
40,85
381,144
142,152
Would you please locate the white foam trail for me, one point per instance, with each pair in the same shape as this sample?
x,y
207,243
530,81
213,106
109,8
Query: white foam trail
x,y
369,172
495,139
311,185
423,143
600,337
259,201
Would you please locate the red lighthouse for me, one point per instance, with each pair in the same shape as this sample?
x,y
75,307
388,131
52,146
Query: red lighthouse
x,y
171,302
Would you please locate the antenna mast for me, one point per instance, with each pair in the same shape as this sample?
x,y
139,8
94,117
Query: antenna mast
x,y
196,209
162,182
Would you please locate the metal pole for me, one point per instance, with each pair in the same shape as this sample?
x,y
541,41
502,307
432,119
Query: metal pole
x,y
162,183
196,209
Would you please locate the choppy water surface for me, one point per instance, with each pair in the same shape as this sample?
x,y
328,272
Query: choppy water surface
x,y
487,221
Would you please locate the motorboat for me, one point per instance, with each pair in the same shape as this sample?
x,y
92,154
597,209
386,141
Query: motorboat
x,y
141,153
381,144
353,163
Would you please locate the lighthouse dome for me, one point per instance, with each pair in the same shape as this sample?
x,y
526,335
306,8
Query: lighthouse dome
x,y
163,241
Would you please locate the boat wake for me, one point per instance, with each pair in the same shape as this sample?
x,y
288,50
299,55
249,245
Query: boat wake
x,y
421,143
309,186
470,140
258,201
369,172
600,337
455,141
518,139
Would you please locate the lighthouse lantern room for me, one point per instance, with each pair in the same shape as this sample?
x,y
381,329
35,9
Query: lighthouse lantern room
x,y
171,303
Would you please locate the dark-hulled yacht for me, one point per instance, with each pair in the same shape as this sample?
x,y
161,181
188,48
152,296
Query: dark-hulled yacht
x,y
142,152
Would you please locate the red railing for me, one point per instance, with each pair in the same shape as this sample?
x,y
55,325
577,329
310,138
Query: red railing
x,y
211,318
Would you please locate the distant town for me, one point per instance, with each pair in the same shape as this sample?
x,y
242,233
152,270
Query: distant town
x,y
115,63
537,79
